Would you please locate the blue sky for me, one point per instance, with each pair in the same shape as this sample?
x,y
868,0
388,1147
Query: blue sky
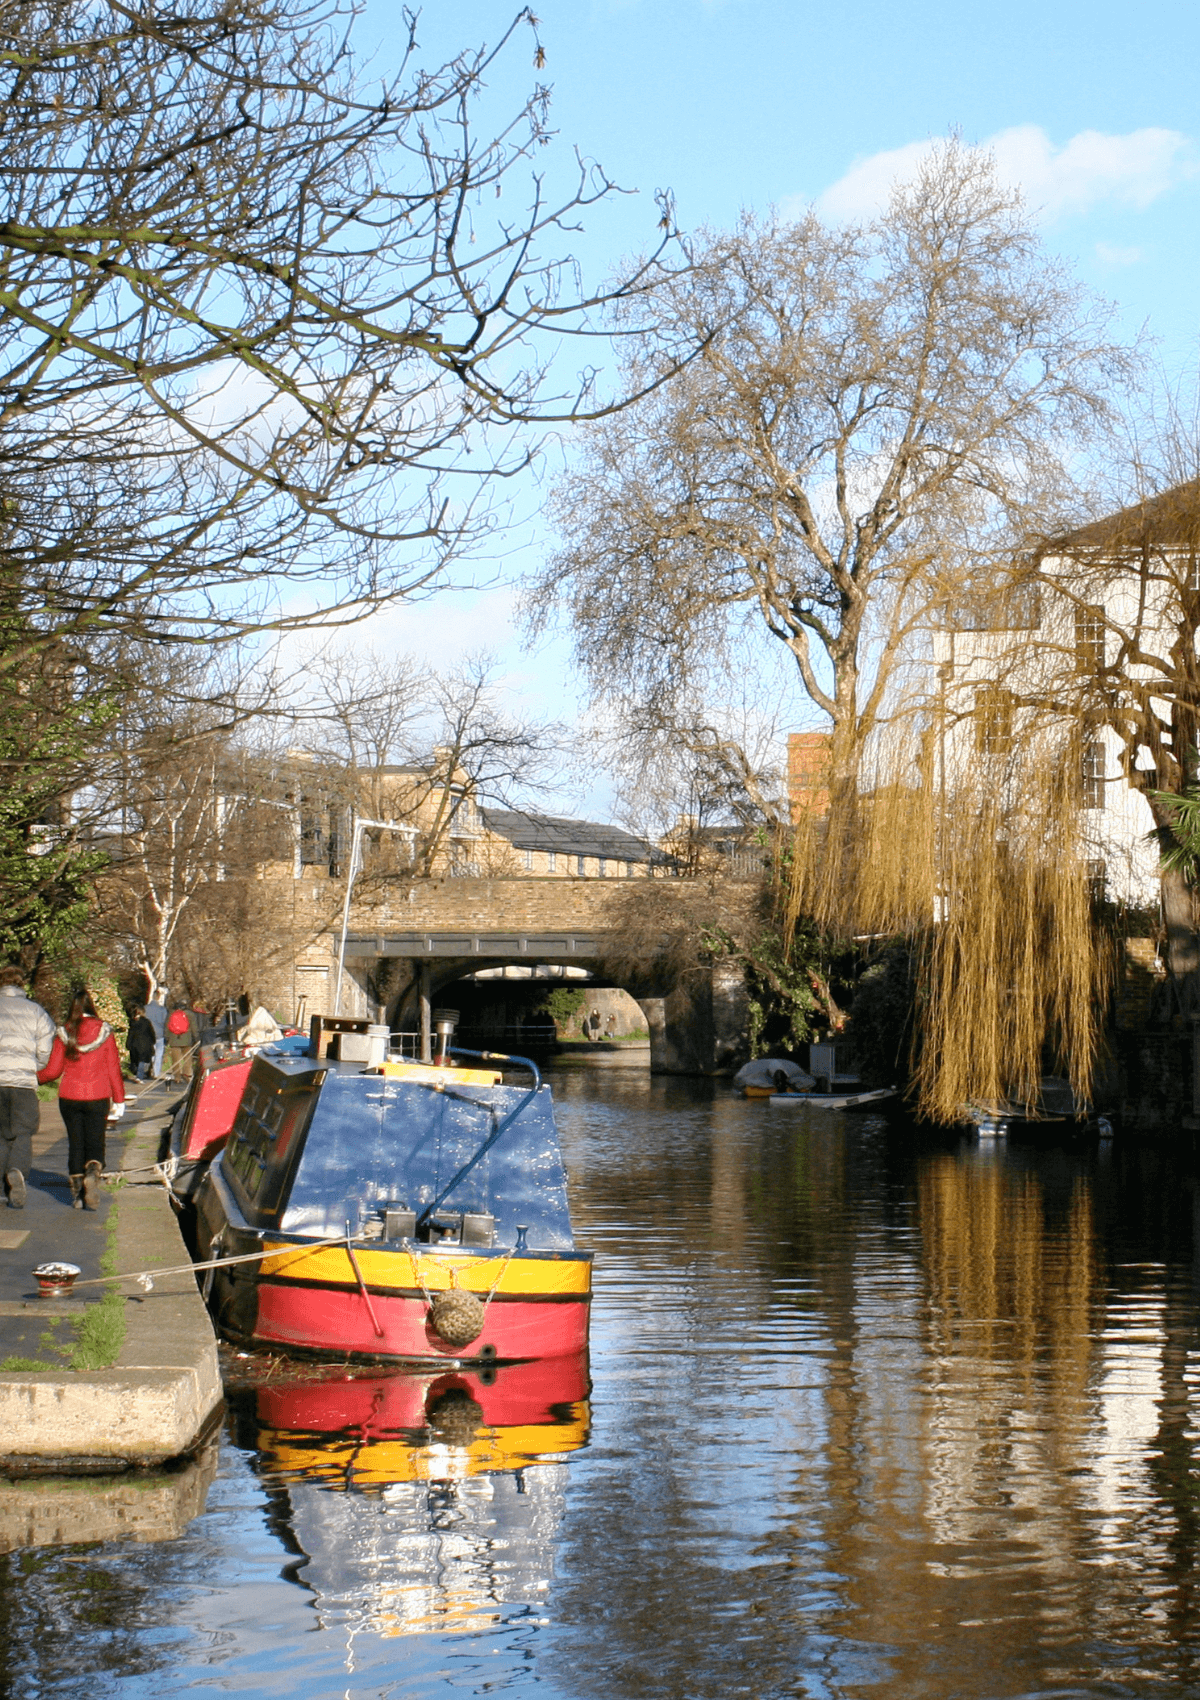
x,y
1094,110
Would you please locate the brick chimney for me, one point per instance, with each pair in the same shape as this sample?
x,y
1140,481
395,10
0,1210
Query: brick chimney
x,y
808,778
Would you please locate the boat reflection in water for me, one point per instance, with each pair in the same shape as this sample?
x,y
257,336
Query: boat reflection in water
x,y
423,1502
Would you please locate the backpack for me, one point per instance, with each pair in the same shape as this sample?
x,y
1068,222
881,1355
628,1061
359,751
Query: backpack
x,y
177,1022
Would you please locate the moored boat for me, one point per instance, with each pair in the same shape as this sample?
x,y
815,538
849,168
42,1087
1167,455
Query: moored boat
x,y
204,1118
414,1214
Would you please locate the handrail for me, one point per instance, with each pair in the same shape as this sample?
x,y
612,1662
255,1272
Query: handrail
x,y
510,1118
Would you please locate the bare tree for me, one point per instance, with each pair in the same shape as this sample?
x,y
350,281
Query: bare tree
x,y
381,737
1120,652
186,809
879,417
258,317
481,754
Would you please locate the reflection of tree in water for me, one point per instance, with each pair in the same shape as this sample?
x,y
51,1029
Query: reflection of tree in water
x,y
67,1611
879,1407
696,1557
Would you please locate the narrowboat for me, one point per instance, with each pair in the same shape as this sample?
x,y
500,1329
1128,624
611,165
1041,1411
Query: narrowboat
x,y
407,1213
205,1114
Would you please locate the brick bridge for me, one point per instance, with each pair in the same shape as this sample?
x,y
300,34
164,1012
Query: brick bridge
x,y
402,952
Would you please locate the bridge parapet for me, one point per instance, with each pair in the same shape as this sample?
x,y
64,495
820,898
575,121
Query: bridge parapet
x,y
515,905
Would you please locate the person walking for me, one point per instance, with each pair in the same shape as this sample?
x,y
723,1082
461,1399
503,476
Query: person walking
x,y
85,1055
140,1043
179,1043
156,1015
26,1041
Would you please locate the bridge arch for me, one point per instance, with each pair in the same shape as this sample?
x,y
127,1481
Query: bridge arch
x,y
698,1028
401,954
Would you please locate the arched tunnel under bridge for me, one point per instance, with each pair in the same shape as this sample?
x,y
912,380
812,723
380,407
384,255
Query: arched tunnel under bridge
x,y
696,1025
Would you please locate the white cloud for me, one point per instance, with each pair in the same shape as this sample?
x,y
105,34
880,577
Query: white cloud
x,y
1131,170
1111,256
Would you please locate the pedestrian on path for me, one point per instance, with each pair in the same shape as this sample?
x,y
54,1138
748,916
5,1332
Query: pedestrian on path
x,y
85,1055
179,1042
26,1041
156,1015
140,1043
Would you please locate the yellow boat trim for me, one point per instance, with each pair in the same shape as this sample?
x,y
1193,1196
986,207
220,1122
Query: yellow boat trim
x,y
375,1463
400,1268
433,1076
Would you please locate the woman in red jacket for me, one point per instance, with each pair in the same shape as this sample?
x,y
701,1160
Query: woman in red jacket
x,y
85,1054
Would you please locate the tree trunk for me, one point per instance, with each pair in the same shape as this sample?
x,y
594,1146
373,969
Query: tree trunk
x,y
1179,917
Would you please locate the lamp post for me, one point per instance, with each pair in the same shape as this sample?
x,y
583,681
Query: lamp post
x,y
360,825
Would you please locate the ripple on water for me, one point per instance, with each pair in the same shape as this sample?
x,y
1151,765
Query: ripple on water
x,y
871,1413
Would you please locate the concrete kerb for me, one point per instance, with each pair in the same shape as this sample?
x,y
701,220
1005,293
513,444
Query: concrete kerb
x,y
161,1398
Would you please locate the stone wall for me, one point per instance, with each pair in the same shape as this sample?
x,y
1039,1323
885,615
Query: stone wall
x,y
1155,1071
498,905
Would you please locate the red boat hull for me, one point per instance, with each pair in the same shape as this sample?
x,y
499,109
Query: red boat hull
x,y
333,1321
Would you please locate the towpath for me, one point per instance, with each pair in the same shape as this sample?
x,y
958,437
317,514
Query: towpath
x,y
49,1230
162,1383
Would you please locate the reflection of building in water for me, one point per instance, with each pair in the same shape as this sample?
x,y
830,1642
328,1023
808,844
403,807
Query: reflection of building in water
x,y
422,1502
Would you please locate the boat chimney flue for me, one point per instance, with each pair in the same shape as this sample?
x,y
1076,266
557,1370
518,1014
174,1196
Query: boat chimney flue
x,y
444,1023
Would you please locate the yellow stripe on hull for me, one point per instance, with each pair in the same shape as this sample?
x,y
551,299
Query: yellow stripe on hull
x,y
379,1462
409,1271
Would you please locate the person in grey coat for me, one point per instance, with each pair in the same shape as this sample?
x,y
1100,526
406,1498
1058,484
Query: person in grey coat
x,y
26,1040
156,1015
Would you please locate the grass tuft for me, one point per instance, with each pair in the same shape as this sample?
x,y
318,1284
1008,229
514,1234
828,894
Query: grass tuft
x,y
101,1334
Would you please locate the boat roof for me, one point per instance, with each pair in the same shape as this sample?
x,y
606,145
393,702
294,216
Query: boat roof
x,y
319,1144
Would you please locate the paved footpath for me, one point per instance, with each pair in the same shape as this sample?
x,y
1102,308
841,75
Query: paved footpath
x,y
49,1230
156,1401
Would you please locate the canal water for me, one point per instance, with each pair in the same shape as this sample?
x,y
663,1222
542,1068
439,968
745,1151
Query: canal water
x,y
872,1414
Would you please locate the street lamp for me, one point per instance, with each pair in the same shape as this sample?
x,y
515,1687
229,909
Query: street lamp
x,y
360,826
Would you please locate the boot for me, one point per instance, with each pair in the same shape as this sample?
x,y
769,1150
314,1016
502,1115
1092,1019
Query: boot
x,y
76,1189
15,1181
91,1185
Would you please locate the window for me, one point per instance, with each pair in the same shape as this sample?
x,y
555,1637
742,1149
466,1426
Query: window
x,y
314,847
529,861
994,720
552,861
581,866
1092,773
1089,639
603,866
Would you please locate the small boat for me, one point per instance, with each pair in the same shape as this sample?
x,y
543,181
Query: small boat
x,y
835,1100
767,1077
202,1122
409,1213
1055,1114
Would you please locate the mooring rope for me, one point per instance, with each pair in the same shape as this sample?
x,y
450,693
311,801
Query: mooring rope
x,y
145,1277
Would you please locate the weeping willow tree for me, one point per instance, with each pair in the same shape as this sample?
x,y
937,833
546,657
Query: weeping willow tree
x,y
967,837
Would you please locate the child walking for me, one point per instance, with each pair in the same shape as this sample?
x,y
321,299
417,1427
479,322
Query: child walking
x,y
85,1055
